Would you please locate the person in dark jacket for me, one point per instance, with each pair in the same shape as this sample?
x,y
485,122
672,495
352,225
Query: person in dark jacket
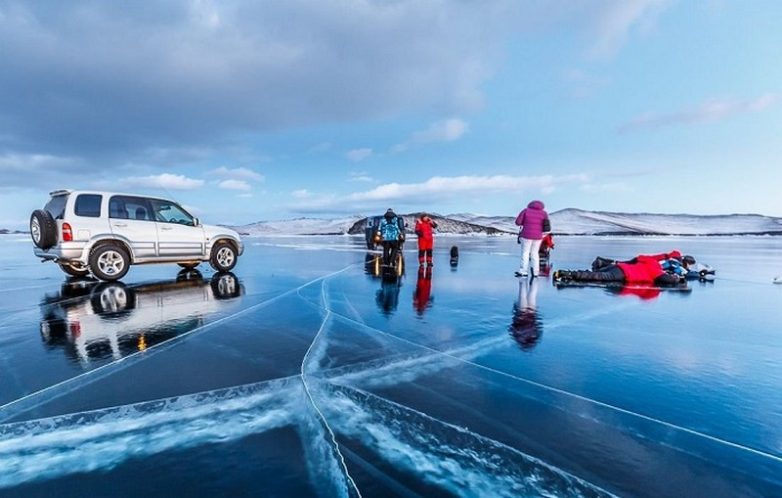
x,y
424,228
392,237
643,269
531,221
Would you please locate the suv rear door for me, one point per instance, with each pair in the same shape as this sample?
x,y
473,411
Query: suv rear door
x,y
131,218
89,216
177,233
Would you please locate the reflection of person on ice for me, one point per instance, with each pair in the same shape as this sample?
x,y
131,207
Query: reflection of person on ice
x,y
387,297
526,326
392,237
641,269
424,228
533,222
422,297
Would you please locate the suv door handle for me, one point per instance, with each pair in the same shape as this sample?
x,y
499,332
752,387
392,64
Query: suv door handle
x,y
166,228
120,225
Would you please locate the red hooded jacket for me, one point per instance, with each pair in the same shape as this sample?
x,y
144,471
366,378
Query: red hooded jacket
x,y
425,231
644,270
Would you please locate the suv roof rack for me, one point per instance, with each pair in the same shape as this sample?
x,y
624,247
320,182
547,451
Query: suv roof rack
x,y
60,192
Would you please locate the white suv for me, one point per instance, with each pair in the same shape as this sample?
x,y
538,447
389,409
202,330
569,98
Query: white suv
x,y
103,233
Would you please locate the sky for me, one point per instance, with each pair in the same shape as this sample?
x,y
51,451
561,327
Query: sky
x,y
245,111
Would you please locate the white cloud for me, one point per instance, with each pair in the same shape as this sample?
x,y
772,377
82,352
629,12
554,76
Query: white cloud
x,y
10,162
438,188
618,18
300,194
403,56
441,186
245,196
234,185
356,155
238,174
442,131
714,110
164,181
360,176
40,170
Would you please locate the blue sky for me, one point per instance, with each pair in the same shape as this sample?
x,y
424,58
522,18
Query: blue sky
x,y
248,111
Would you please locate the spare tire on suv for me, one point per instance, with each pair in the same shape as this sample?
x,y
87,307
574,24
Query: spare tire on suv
x,y
43,229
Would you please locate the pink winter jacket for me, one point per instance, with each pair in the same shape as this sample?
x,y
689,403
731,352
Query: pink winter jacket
x,y
531,221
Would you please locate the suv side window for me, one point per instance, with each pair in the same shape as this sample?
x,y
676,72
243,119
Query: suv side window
x,y
88,205
170,212
130,208
56,206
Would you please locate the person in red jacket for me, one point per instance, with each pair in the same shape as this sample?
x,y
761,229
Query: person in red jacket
x,y
645,269
424,228
546,245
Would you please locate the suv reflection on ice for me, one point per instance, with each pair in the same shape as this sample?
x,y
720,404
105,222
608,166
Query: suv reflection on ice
x,y
103,233
94,320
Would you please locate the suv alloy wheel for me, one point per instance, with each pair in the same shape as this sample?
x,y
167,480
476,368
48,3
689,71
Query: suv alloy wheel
x,y
223,257
109,262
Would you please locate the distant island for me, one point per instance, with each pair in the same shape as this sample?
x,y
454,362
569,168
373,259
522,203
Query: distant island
x,y
5,231
569,221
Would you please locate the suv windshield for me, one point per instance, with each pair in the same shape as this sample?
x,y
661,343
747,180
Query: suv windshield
x,y
170,212
56,206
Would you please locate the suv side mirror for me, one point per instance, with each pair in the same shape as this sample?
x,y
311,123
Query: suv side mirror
x,y
196,222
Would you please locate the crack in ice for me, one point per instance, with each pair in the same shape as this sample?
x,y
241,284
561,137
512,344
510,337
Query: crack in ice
x,y
324,299
54,391
563,392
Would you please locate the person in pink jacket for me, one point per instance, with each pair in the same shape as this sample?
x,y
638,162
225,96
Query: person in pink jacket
x,y
531,220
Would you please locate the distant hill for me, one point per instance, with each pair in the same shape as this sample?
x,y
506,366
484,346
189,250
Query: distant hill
x,y
577,221
569,221
300,226
580,222
5,231
445,224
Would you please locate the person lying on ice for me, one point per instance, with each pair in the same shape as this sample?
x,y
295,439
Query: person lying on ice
x,y
645,268
672,262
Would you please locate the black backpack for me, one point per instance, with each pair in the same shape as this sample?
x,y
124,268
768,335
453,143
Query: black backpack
x,y
546,225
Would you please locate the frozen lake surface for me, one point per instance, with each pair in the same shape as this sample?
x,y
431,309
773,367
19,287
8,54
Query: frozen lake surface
x,y
304,374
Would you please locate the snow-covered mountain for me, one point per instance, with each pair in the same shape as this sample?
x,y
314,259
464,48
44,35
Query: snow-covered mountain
x,y
500,223
577,221
565,222
445,224
580,222
300,226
